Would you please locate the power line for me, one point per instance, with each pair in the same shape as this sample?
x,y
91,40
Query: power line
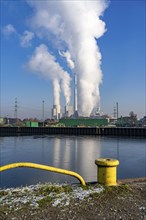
x,y
115,112
117,104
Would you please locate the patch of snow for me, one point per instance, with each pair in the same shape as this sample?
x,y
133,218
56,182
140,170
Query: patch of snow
x,y
77,193
18,197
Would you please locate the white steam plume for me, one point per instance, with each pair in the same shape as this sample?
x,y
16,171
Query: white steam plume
x,y
56,87
45,65
76,25
67,56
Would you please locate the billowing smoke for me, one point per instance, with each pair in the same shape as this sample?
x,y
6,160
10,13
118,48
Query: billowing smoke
x,y
75,26
67,56
44,64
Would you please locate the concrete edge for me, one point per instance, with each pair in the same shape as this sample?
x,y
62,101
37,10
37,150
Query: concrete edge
x,y
132,180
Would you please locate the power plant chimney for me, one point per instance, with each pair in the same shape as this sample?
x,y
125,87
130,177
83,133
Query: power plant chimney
x,y
75,96
56,112
66,110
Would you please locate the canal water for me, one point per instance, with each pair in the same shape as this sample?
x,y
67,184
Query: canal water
x,y
76,153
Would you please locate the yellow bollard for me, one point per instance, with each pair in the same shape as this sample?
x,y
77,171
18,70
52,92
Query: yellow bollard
x,y
107,171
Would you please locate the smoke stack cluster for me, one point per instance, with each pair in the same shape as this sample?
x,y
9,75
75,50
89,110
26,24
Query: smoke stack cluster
x,y
72,27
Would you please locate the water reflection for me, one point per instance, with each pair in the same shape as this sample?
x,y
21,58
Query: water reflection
x,y
76,153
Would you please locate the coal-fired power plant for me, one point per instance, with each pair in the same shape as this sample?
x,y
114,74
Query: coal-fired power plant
x,y
70,111
76,41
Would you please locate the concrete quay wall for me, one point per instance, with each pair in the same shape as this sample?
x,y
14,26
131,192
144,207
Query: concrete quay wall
x,y
103,131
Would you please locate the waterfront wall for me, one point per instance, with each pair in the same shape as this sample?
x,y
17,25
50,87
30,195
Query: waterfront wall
x,y
106,131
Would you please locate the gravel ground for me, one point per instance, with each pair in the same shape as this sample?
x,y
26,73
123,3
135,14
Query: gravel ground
x,y
125,201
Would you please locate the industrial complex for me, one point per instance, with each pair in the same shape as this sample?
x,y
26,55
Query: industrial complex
x,y
70,111
70,117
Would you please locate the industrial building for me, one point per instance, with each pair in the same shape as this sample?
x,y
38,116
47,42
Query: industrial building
x,y
31,124
83,122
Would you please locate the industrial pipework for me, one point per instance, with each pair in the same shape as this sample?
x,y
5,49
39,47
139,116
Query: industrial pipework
x,y
43,167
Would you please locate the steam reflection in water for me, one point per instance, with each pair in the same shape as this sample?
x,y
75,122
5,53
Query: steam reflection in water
x,y
76,153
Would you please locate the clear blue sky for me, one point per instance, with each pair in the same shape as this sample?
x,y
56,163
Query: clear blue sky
x,y
123,49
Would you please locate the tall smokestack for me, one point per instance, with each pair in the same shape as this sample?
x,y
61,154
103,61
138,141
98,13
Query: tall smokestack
x,y
56,112
75,96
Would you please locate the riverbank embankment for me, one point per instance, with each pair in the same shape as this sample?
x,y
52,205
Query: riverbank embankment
x,y
125,201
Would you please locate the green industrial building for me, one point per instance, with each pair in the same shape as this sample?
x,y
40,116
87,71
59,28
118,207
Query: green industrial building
x,y
31,124
81,122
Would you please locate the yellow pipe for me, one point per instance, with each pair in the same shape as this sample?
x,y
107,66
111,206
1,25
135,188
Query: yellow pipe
x,y
43,167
